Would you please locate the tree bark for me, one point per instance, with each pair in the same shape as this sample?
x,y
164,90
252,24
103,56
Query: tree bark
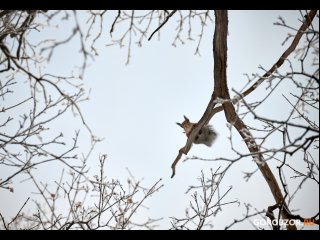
x,y
221,91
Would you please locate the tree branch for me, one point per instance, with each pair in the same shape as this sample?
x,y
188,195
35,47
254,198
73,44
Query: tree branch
x,y
308,20
284,56
162,24
221,91
207,115
310,220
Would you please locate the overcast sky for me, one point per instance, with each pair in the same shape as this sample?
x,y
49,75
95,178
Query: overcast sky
x,y
135,107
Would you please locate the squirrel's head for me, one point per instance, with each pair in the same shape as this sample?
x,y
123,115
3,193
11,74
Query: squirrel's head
x,y
186,125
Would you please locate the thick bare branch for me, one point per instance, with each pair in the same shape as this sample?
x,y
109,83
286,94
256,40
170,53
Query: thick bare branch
x,y
221,90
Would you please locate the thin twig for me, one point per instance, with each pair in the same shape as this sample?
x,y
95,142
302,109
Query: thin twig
x,y
161,25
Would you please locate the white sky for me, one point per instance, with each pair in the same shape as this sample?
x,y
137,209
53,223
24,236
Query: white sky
x,y
135,108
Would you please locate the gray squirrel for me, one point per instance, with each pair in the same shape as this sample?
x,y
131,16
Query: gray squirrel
x,y
206,135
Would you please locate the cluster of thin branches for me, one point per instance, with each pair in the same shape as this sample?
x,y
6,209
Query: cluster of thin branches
x,y
205,205
85,203
26,120
144,24
299,130
29,140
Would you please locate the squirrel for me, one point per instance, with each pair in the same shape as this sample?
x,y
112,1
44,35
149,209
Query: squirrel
x,y
206,135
